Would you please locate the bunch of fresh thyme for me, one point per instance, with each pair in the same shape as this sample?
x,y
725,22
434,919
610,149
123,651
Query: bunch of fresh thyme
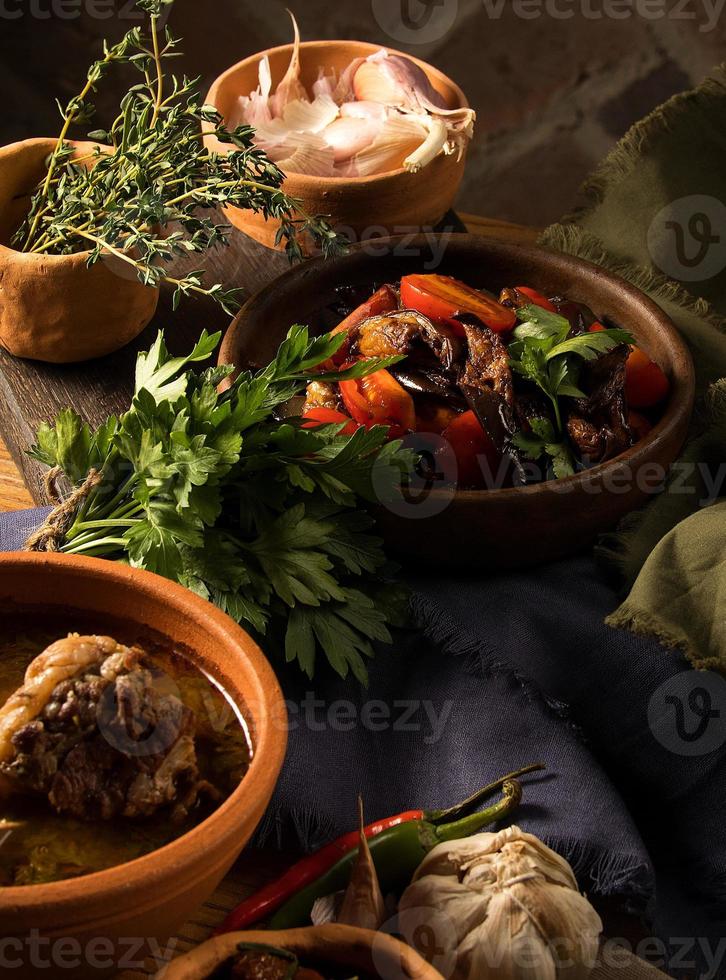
x,y
153,172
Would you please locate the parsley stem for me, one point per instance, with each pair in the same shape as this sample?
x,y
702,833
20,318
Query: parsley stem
x,y
74,549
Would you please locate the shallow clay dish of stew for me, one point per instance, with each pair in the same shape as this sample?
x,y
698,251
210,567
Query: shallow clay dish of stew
x,y
513,526
101,914
367,953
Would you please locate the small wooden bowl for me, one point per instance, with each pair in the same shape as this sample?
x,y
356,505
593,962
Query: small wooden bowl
x,y
386,203
345,947
147,899
511,527
53,307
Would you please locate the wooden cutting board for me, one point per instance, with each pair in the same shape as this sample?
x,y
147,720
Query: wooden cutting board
x,y
31,392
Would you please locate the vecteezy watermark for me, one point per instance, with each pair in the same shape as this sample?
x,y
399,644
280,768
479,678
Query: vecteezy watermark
x,y
415,21
687,238
317,714
708,12
126,10
687,714
38,952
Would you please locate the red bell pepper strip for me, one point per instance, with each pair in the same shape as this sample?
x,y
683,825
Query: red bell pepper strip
x,y
317,416
536,297
308,869
379,399
470,442
382,301
441,297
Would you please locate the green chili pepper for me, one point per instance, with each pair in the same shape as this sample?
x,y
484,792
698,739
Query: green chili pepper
x,y
397,853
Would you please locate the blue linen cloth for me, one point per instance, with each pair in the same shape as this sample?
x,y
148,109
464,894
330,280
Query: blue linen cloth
x,y
511,669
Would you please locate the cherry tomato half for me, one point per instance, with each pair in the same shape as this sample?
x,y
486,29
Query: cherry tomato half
x,y
645,383
473,450
379,399
440,297
537,298
328,416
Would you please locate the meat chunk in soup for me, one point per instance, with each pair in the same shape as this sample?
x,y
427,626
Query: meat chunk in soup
x,y
94,731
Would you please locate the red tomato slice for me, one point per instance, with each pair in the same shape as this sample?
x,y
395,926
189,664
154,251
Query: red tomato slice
x,y
328,416
470,442
384,300
379,399
440,297
537,298
645,383
596,327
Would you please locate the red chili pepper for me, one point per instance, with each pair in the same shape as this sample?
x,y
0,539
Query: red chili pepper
x,y
317,416
382,301
310,868
378,399
441,298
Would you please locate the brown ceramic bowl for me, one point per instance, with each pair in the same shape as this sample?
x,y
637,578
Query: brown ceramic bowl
x,y
340,946
151,897
395,200
53,307
511,527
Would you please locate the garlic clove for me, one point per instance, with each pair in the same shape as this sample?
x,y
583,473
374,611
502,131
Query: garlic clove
x,y
325,84
399,137
348,136
396,81
365,110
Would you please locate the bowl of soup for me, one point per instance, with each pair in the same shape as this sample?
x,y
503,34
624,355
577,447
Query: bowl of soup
x,y
142,732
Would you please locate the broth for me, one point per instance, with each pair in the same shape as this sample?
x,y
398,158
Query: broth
x,y
38,844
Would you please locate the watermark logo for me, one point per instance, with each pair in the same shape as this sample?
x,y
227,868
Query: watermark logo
x,y
687,238
687,714
415,21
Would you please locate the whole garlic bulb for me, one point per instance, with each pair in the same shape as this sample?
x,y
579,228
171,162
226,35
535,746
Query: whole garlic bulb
x,y
509,906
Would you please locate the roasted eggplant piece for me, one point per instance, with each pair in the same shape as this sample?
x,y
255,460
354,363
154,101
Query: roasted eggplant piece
x,y
597,424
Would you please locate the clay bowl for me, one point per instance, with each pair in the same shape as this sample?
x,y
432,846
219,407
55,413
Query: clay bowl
x,y
332,945
149,898
509,527
53,307
393,201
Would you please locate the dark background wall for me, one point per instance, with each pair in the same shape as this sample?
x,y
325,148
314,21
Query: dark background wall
x,y
553,91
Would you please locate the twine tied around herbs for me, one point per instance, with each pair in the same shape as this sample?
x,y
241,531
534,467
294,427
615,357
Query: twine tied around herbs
x,y
49,536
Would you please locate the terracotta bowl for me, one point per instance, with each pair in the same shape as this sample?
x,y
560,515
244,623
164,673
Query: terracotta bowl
x,y
511,527
53,307
386,203
147,899
332,945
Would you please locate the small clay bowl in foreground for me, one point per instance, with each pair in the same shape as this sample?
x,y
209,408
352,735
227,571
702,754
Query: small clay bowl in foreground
x,y
389,202
511,527
345,947
54,307
151,897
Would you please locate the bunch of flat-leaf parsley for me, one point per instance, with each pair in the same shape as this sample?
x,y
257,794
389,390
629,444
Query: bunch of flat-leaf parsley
x,y
256,513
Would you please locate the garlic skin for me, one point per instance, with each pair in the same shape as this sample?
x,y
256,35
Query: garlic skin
x,y
513,904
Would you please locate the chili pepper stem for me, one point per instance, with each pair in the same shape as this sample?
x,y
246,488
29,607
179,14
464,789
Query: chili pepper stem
x,y
467,805
512,795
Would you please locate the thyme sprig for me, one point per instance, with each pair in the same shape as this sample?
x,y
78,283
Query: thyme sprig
x,y
146,193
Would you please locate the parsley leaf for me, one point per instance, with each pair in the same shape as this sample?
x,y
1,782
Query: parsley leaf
x,y
260,516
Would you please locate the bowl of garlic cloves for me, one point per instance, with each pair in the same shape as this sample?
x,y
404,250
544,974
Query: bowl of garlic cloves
x,y
369,136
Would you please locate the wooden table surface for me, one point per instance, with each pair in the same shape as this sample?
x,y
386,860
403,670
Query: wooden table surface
x,y
253,868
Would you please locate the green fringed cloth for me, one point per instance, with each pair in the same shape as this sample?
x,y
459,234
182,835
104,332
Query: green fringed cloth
x,y
662,192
